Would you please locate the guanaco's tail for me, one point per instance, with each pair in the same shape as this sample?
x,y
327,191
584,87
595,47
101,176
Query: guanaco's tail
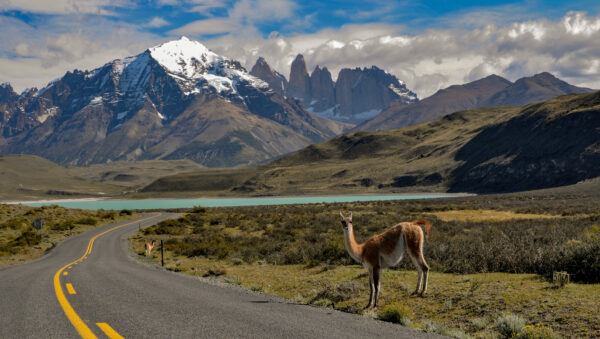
x,y
426,224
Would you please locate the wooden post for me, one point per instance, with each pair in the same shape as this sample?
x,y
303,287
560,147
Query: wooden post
x,y
162,257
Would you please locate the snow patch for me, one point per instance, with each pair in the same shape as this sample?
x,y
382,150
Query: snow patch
x,y
403,93
49,112
96,101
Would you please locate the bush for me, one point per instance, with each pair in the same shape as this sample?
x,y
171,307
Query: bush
x,y
510,325
125,212
29,237
581,260
215,271
343,291
396,313
86,221
63,226
538,331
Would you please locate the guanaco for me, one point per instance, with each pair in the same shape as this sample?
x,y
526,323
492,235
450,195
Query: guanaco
x,y
387,249
149,246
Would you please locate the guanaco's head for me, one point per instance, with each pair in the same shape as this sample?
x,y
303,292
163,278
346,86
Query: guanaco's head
x,y
346,222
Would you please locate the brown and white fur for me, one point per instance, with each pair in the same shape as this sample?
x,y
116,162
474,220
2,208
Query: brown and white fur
x,y
149,246
387,249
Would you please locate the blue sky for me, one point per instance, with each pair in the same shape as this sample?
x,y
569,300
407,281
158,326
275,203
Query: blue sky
x,y
427,44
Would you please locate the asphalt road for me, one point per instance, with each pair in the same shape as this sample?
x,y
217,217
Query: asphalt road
x,y
116,296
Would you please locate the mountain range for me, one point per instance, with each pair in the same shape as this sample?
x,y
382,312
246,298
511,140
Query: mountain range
x,y
357,94
179,100
176,100
487,92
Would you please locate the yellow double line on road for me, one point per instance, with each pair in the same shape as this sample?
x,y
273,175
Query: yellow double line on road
x,y
81,327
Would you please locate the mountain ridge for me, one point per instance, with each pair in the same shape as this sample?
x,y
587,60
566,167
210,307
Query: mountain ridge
x,y
356,95
90,113
490,91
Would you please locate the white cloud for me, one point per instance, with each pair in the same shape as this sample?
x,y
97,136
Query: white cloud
x,y
434,59
33,56
63,6
242,17
157,22
426,61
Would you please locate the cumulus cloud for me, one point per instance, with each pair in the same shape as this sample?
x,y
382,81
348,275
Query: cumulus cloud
x,y
243,16
30,59
568,48
157,22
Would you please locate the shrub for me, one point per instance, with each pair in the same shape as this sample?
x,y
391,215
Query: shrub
x,y
63,226
86,221
396,313
510,325
256,288
198,210
538,331
29,237
581,260
479,324
340,292
215,272
125,212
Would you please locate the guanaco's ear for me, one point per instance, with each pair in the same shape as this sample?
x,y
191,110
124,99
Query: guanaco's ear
x,y
341,215
350,217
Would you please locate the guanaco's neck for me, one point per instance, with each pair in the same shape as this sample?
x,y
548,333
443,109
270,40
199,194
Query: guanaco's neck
x,y
353,248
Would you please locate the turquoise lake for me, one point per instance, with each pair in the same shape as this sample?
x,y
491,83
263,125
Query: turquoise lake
x,y
229,202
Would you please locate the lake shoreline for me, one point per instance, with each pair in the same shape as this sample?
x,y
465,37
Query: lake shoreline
x,y
103,203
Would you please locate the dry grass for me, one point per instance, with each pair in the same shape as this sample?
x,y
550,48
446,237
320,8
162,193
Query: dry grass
x,y
486,215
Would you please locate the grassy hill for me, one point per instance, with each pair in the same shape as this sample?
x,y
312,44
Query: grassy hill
x,y
357,162
497,149
27,177
132,175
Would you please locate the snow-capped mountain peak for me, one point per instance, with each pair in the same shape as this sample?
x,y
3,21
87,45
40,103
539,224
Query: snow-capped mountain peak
x,y
184,56
195,67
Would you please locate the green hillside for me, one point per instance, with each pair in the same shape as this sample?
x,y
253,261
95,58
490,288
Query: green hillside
x,y
497,149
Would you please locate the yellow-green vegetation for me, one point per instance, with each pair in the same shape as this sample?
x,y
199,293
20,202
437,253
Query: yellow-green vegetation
x,y
133,175
486,215
29,177
20,241
485,268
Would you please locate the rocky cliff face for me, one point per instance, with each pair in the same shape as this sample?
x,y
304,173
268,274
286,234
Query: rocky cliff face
x,y
276,80
175,100
7,93
357,95
364,93
322,90
299,85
